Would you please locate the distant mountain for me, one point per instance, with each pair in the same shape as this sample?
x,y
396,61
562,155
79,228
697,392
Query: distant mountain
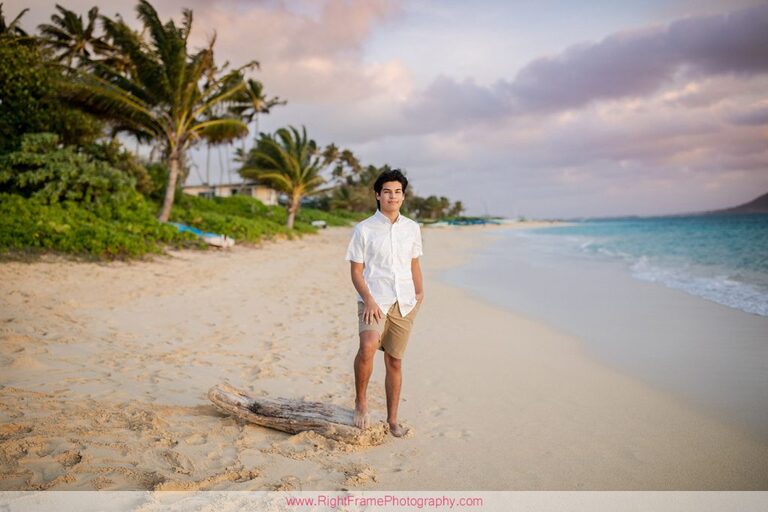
x,y
759,205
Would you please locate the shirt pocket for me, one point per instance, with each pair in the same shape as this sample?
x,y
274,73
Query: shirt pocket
x,y
405,248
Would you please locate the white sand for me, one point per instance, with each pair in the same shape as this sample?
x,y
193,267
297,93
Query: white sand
x,y
105,368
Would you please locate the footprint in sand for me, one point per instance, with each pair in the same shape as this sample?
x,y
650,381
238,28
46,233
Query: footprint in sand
x,y
357,475
101,482
8,430
157,377
179,463
69,458
436,411
463,434
27,363
287,483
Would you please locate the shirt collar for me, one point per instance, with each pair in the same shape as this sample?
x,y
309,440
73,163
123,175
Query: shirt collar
x,y
384,218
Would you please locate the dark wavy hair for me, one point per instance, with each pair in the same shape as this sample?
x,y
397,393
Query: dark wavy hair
x,y
387,176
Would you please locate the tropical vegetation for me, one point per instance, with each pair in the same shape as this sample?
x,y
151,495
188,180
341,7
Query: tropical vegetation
x,y
12,29
163,93
29,102
289,162
72,93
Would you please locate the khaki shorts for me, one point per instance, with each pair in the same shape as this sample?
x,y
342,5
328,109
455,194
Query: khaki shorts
x,y
394,330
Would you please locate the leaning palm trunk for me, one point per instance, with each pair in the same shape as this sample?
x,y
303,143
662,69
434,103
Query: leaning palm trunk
x,y
174,162
293,209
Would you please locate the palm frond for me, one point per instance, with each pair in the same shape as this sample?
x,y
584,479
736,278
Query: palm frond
x,y
287,160
13,28
219,130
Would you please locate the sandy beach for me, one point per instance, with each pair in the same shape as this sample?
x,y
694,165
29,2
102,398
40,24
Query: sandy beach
x,y
105,370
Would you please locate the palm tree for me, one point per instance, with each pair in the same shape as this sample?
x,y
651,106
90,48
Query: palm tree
x,y
165,95
289,162
248,104
68,36
12,29
346,164
443,205
355,193
109,55
252,101
331,153
331,156
456,209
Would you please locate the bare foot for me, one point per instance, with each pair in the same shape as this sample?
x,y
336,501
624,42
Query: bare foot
x,y
362,420
397,429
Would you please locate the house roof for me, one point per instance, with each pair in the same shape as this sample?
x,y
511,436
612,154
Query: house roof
x,y
212,185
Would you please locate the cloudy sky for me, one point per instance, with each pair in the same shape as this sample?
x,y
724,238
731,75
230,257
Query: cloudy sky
x,y
546,108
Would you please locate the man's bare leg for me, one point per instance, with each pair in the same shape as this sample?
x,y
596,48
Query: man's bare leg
x,y
369,341
392,384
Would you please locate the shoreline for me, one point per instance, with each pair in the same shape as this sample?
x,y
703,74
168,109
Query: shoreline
x,y
603,384
700,351
107,390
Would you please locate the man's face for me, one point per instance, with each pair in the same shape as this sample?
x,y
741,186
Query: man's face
x,y
391,197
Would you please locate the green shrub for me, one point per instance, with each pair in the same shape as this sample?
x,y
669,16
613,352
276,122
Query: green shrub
x,y
96,213
158,176
243,218
28,89
249,207
30,225
240,228
116,156
52,174
235,205
335,218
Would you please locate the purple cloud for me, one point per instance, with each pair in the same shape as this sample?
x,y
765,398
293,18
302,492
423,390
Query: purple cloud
x,y
623,65
446,102
753,117
639,63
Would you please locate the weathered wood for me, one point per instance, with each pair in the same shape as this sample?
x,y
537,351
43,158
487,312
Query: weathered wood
x,y
295,416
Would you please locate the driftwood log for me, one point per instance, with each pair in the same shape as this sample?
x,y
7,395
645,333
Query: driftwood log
x,y
295,416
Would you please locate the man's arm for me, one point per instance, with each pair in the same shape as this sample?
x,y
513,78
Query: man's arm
x,y
418,282
372,310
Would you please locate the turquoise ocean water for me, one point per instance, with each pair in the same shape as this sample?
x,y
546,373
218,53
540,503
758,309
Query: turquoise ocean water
x,y
680,302
721,258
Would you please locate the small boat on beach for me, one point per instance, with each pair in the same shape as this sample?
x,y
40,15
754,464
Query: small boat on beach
x,y
213,239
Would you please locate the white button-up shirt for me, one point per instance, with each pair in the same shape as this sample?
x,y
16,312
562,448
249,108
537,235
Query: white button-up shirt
x,y
386,249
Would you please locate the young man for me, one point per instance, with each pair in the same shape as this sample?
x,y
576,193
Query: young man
x,y
384,258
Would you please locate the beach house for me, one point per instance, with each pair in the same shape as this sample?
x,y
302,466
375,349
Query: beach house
x,y
261,192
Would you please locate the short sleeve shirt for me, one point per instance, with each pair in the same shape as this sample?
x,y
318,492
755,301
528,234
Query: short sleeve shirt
x,y
386,249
